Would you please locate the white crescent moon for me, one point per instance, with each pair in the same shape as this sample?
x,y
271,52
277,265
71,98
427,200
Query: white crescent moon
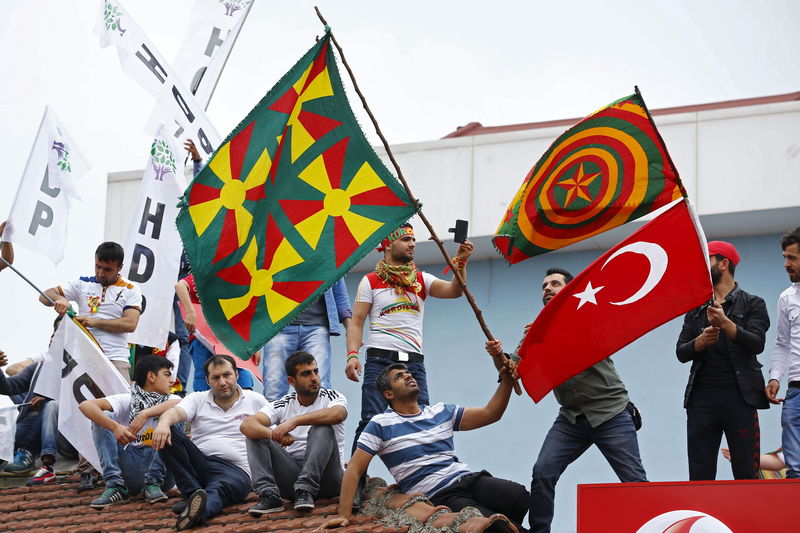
x,y
658,265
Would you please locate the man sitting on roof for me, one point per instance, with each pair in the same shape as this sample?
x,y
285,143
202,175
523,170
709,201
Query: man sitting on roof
x,y
211,468
416,445
295,444
122,430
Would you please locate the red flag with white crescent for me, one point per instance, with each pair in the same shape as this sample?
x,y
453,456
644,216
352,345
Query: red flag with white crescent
x,y
656,274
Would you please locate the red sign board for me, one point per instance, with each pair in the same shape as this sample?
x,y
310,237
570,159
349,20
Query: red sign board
x,y
747,506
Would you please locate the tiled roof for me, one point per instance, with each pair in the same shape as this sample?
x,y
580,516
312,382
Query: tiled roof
x,y
476,128
59,508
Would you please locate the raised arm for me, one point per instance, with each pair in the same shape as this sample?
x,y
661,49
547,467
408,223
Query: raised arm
x,y
189,314
476,417
452,289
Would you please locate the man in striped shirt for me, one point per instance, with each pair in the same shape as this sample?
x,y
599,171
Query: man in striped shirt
x,y
416,445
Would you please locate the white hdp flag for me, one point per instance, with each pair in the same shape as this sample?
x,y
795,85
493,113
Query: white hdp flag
x,y
8,429
213,29
75,369
153,246
40,212
142,62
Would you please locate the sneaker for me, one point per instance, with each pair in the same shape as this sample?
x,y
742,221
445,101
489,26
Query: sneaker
x,y
193,514
180,506
110,496
88,482
267,503
23,462
43,476
153,494
303,501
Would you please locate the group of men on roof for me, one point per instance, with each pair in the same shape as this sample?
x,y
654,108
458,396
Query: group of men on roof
x,y
288,444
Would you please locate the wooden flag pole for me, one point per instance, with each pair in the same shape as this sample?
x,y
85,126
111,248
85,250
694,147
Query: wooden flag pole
x,y
434,237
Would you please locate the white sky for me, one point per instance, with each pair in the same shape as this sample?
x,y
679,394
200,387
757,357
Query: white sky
x,y
425,68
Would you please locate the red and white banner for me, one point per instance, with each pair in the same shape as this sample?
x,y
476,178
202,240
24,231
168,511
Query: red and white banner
x,y
656,274
207,338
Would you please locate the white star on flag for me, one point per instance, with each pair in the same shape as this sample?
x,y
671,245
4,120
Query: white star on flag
x,y
587,295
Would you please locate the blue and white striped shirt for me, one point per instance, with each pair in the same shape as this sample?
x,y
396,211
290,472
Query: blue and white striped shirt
x,y
417,450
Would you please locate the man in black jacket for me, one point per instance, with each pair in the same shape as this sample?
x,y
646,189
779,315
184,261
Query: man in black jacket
x,y
725,386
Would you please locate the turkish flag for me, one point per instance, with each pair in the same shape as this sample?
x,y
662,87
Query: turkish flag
x,y
656,274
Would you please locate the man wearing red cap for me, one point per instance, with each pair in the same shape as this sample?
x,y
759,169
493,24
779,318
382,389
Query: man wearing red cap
x,y
722,340
786,355
393,296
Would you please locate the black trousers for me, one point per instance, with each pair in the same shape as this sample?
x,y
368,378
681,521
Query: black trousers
x,y
712,412
490,495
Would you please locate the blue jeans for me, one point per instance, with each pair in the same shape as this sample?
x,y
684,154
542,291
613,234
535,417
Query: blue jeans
x,y
199,355
373,402
565,442
315,340
224,482
185,360
129,466
38,432
790,422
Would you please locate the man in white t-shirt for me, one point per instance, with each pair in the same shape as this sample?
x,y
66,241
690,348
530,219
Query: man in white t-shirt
x,y
122,430
295,444
211,468
393,296
108,306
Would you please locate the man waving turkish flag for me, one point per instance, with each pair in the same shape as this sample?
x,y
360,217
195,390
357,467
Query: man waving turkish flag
x,y
656,274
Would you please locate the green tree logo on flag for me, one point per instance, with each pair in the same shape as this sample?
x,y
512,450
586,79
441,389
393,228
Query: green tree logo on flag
x,y
291,200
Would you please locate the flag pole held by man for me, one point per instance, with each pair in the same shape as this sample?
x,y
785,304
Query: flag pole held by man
x,y
291,200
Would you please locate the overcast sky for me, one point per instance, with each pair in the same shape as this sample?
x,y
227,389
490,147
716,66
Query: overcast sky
x,y
425,68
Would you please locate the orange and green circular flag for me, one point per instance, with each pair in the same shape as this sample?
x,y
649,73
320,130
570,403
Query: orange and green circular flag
x,y
609,169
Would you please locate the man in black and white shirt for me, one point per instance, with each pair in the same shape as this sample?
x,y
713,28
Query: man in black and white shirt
x,y
122,429
295,444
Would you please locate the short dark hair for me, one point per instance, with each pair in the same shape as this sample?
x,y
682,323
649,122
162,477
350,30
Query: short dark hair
x,y
219,359
110,252
731,265
297,358
793,237
557,270
149,363
382,381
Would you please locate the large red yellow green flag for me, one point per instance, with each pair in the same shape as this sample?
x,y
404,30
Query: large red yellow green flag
x,y
289,202
609,169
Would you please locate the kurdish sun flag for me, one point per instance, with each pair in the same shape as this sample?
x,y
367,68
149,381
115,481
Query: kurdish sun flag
x,y
609,169
289,202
